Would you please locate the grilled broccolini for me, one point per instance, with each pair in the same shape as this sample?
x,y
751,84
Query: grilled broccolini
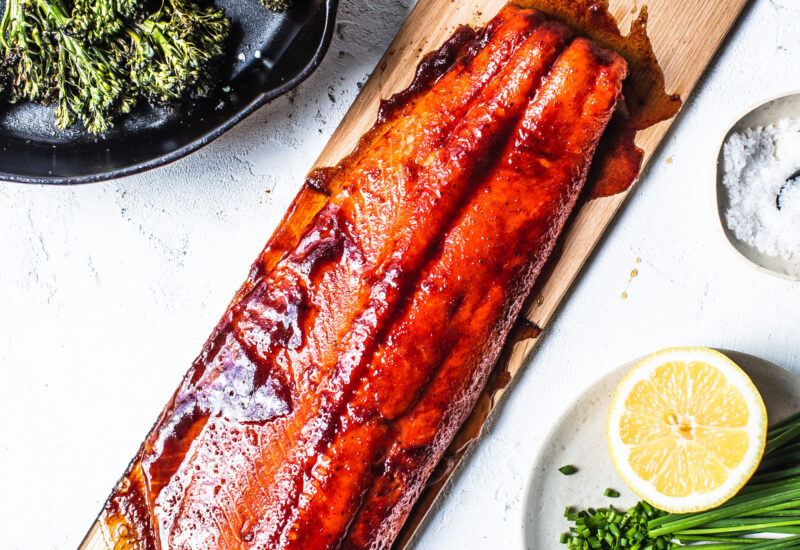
x,y
172,52
28,67
95,58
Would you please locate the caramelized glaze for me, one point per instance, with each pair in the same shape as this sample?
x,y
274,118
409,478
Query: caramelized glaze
x,y
369,324
614,169
618,159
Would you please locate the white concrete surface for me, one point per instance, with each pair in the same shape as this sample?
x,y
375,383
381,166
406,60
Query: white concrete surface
x,y
108,291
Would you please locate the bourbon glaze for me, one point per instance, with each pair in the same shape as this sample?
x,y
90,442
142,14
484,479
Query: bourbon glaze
x,y
254,371
618,160
127,517
614,169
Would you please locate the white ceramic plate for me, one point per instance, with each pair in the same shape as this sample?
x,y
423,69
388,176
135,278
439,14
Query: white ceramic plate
x,y
579,438
765,114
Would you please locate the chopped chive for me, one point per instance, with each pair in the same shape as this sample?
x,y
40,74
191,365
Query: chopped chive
x,y
568,470
611,493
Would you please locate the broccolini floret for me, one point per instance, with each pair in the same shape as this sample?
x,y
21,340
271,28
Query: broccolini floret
x,y
277,5
175,52
95,58
97,20
90,82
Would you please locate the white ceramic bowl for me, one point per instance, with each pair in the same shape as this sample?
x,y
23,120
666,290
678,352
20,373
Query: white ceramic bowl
x,y
764,114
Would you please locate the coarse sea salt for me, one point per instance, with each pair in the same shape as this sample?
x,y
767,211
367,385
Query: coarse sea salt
x,y
758,162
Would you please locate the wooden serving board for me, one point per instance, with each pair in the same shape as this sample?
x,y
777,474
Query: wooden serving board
x,y
685,35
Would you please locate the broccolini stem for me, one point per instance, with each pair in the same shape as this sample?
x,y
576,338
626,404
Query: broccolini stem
x,y
12,6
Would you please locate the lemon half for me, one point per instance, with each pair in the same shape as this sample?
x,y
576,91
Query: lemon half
x,y
686,429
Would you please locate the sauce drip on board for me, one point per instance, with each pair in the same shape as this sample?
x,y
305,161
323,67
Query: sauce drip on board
x,y
618,160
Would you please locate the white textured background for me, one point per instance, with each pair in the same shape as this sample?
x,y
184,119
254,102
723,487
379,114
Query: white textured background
x,y
108,291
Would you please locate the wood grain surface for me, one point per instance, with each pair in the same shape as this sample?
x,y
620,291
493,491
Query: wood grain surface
x,y
685,35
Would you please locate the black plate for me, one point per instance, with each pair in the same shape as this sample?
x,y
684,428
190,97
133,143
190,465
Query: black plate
x,y
270,54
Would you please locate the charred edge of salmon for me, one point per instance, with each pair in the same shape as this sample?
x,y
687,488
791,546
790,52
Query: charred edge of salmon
x,y
126,519
462,46
464,43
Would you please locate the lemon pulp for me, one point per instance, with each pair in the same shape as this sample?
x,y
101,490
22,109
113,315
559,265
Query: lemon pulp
x,y
686,429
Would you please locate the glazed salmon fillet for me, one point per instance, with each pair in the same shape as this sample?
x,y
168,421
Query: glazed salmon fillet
x,y
368,326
